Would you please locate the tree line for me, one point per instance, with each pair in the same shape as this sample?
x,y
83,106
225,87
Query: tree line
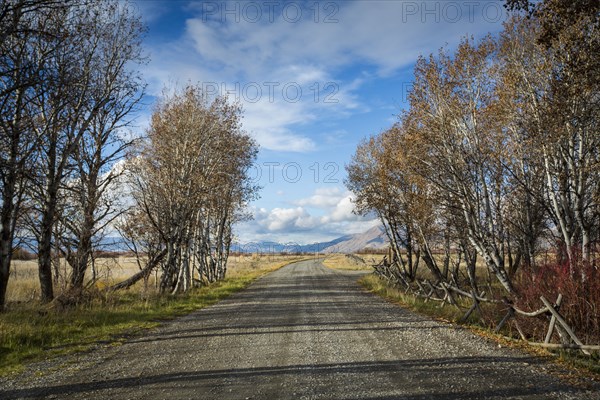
x,y
497,157
71,170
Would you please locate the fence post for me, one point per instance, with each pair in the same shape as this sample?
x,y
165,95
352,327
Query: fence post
x,y
509,315
562,322
553,320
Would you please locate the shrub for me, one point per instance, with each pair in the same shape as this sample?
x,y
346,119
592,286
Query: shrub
x,y
580,306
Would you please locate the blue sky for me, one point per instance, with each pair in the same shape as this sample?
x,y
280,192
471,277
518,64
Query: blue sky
x,y
314,77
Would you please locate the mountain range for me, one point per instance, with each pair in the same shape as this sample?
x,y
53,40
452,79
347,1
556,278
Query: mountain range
x,y
375,238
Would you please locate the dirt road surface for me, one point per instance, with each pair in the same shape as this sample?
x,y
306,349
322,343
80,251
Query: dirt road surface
x,y
302,332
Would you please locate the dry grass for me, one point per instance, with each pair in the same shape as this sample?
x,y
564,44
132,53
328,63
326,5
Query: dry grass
x,y
241,264
23,285
352,262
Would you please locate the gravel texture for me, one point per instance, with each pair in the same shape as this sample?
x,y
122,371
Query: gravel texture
x,y
302,332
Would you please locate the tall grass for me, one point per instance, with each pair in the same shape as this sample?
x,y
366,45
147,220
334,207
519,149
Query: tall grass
x,y
352,262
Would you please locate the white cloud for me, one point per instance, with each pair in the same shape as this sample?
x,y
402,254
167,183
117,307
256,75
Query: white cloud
x,y
285,220
343,211
323,198
387,34
379,36
325,215
268,123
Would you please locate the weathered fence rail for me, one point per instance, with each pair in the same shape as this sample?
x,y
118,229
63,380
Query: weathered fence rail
x,y
443,292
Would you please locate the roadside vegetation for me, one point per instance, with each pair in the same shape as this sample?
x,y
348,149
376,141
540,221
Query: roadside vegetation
x,y
482,325
78,178
488,184
30,332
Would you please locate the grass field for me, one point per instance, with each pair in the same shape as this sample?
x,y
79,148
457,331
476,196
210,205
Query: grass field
x,y
30,332
352,262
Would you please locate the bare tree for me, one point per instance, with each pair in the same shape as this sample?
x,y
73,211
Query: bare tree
x,y
93,193
379,176
30,36
498,149
454,98
554,99
84,81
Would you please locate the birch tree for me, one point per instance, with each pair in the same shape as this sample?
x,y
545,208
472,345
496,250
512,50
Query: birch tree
x,y
550,78
455,99
190,179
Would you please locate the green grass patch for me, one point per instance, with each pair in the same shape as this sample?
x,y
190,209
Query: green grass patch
x,y
576,359
378,286
30,332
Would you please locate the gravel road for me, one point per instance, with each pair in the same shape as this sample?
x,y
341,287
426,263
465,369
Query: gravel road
x,y
302,332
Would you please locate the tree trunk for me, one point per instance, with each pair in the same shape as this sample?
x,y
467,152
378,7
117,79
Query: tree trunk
x,y
45,254
6,239
80,263
5,259
143,274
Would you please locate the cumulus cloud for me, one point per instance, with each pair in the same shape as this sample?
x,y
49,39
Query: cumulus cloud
x,y
322,198
284,220
343,211
324,215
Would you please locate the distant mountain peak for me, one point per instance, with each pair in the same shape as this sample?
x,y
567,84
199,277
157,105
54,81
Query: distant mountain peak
x,y
374,238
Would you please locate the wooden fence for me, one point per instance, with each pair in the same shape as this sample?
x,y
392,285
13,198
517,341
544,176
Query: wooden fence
x,y
446,293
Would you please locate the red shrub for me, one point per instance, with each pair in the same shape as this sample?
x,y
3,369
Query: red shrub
x,y
581,298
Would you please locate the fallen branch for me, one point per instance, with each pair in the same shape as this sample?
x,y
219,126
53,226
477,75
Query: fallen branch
x,y
470,295
587,347
127,283
532,313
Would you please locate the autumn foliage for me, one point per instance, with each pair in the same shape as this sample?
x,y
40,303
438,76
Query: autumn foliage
x,y
495,163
